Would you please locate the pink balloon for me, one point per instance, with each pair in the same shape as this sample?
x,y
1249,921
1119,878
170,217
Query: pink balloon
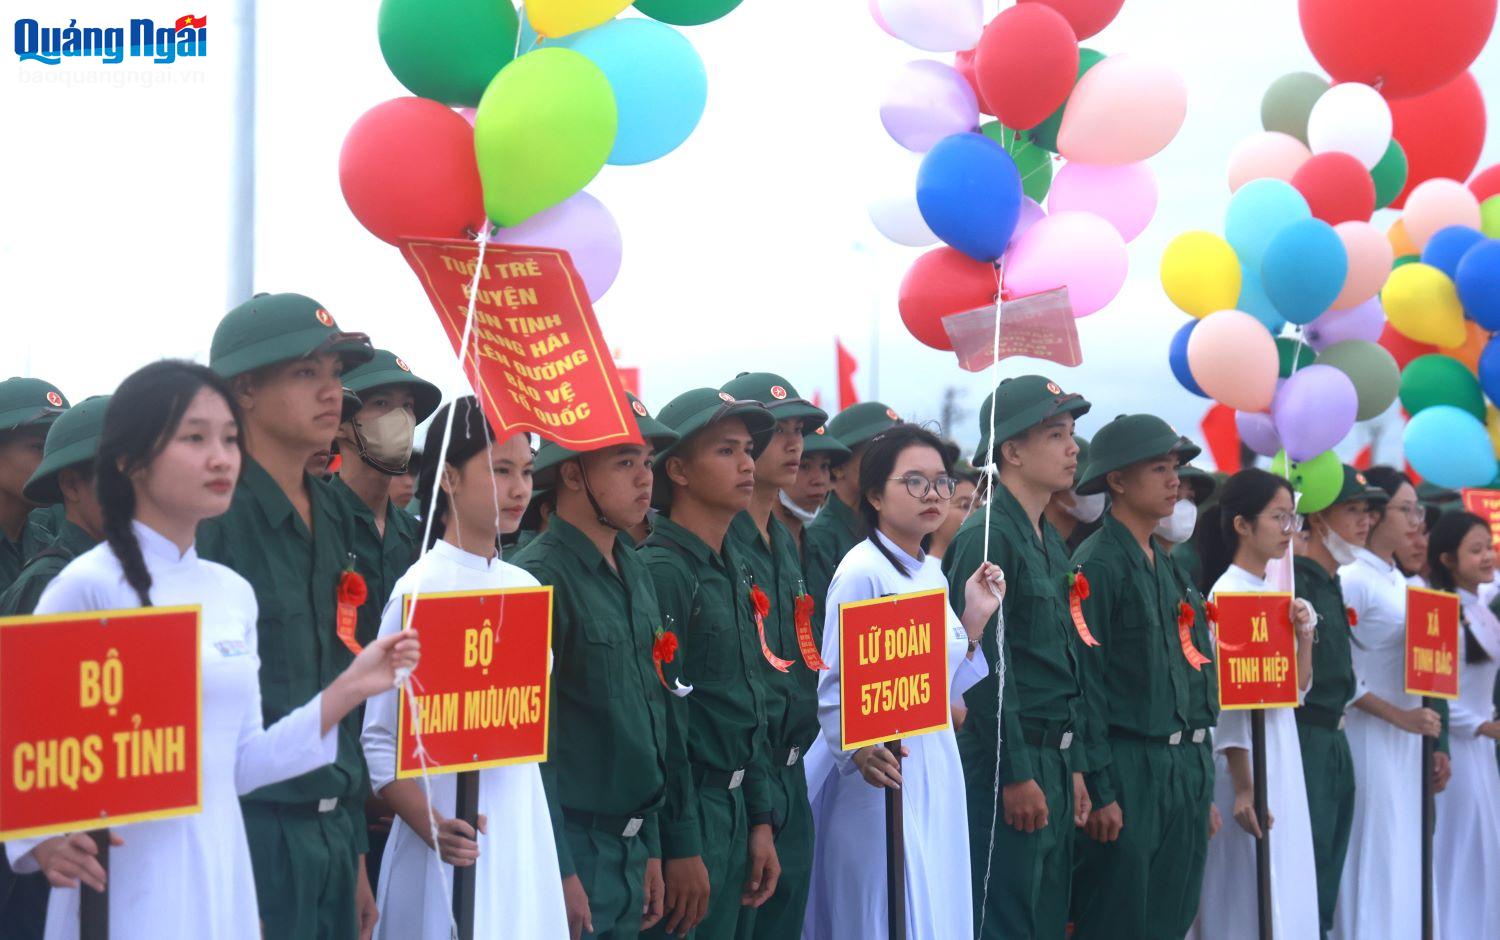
x,y
1076,250
1437,204
879,18
1364,321
1370,259
1123,110
467,114
1233,358
1266,155
581,226
1124,196
927,102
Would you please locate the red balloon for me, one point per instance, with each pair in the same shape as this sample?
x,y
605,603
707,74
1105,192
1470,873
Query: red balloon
x,y
1442,133
1400,47
1086,17
1486,183
963,64
941,282
1027,63
407,168
1337,188
1402,348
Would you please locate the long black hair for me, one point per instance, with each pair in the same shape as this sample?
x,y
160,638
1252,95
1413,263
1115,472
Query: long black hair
x,y
141,419
1388,479
875,469
1246,494
471,434
1447,535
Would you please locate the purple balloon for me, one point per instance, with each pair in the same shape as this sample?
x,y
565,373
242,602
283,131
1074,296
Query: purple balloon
x,y
1258,432
1362,321
581,226
927,102
1031,213
1313,410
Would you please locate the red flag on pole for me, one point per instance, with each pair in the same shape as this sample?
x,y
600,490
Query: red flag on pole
x,y
846,366
1222,437
1365,458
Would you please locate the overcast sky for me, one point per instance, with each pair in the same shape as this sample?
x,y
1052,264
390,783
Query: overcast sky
x,y
748,248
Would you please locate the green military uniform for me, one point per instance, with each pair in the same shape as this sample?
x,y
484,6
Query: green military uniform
x,y
819,442
27,403
305,833
1139,686
1045,717
705,599
792,699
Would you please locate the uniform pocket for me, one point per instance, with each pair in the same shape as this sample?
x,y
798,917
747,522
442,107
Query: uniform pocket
x,y
711,649
604,651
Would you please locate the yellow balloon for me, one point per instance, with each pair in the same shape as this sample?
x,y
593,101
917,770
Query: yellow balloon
x,y
1492,422
1201,273
1422,304
554,18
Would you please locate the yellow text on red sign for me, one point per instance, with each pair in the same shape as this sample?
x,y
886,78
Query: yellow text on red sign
x,y
893,659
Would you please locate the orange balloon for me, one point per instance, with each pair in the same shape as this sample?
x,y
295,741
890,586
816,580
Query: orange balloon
x,y
1401,243
1473,345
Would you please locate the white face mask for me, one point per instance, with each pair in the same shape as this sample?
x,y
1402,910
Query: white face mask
x,y
1087,509
796,511
1178,527
1340,548
386,441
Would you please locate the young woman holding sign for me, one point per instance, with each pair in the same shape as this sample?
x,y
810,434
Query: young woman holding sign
x,y
168,459
481,491
1466,843
905,484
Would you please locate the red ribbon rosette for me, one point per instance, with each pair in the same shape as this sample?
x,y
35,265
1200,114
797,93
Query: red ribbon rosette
x,y
1185,618
802,611
663,650
351,593
762,605
1353,617
1078,592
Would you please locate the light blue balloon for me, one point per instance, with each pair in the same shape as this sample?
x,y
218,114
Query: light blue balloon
x,y
1253,300
1257,211
659,83
1304,270
1449,447
527,39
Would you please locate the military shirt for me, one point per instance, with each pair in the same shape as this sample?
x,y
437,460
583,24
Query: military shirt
x,y
825,542
26,590
379,560
36,534
1332,656
1203,696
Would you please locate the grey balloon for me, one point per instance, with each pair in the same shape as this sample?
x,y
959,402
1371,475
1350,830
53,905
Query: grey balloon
x,y
1376,377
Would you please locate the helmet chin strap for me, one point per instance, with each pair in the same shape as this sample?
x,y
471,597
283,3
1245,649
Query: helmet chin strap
x,y
374,462
599,515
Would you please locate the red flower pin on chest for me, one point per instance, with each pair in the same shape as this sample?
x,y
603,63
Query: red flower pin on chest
x,y
762,605
802,611
350,594
1185,619
1078,592
1352,616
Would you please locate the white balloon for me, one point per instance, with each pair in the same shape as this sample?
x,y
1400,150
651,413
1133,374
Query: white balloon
x,y
934,25
897,217
1351,118
927,102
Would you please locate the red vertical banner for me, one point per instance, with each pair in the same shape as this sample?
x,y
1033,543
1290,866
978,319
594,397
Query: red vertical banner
x,y
846,365
1486,505
893,663
1431,643
1257,651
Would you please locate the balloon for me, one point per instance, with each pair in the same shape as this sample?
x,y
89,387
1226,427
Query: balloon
x,y
1123,110
1449,447
963,64
1436,204
1422,303
581,226
1389,175
1489,217
1489,369
1317,481
1026,63
1257,211
698,12
1032,162
1492,424
969,192
1076,250
1292,354
554,18
1031,214
1124,196
1363,321
407,169
1350,118
1370,261
1475,339
1404,48
1486,183
1402,348
1338,188
1401,244
1477,278
1234,360
934,25
942,282
1253,300
896,215
1447,246
1258,432
544,128
1441,132
1267,155
1177,359
1289,101
447,50
658,81
1200,273
1304,269
1044,135
1436,379
1314,410
1371,368
1086,17
927,102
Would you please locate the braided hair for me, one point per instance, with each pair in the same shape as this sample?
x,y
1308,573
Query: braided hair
x,y
471,434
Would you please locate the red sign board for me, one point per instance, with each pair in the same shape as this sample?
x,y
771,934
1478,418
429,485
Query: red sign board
x,y
1431,643
1486,505
481,688
100,719
537,360
1040,326
893,656
1257,651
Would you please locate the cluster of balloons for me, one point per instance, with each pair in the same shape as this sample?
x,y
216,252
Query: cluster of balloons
x,y
981,183
515,112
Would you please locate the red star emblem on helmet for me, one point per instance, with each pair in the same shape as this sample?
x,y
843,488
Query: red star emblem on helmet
x,y
324,317
401,364
891,413
777,392
1052,387
639,408
54,399
726,396
821,430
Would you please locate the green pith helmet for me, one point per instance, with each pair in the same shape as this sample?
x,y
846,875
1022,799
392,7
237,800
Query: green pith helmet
x,y
72,441
551,455
1127,440
385,369
1019,404
1200,481
859,423
1355,486
821,442
25,402
272,328
1083,459
777,394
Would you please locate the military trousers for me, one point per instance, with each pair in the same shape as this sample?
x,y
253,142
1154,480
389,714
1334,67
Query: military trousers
x,y
781,915
612,868
1328,768
305,870
721,815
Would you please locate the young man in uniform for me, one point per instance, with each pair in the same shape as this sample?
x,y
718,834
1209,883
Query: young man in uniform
x,y
717,823
27,409
769,553
1074,515
1021,886
1146,781
606,775
799,504
288,535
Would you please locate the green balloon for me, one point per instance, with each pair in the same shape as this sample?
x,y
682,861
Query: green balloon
x,y
1489,217
1289,101
543,130
1034,163
1371,368
1405,259
1317,481
1294,355
1389,174
1044,135
447,50
686,12
1436,379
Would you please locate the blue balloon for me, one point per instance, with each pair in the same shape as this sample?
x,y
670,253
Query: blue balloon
x,y
1257,211
1177,359
1478,281
658,80
1449,447
1447,246
969,193
1489,369
1304,270
1253,300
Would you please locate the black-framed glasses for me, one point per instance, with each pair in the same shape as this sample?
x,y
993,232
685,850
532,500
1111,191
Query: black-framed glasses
x,y
919,486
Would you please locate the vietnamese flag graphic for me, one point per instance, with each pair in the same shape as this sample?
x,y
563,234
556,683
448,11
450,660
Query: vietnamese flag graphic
x,y
192,22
